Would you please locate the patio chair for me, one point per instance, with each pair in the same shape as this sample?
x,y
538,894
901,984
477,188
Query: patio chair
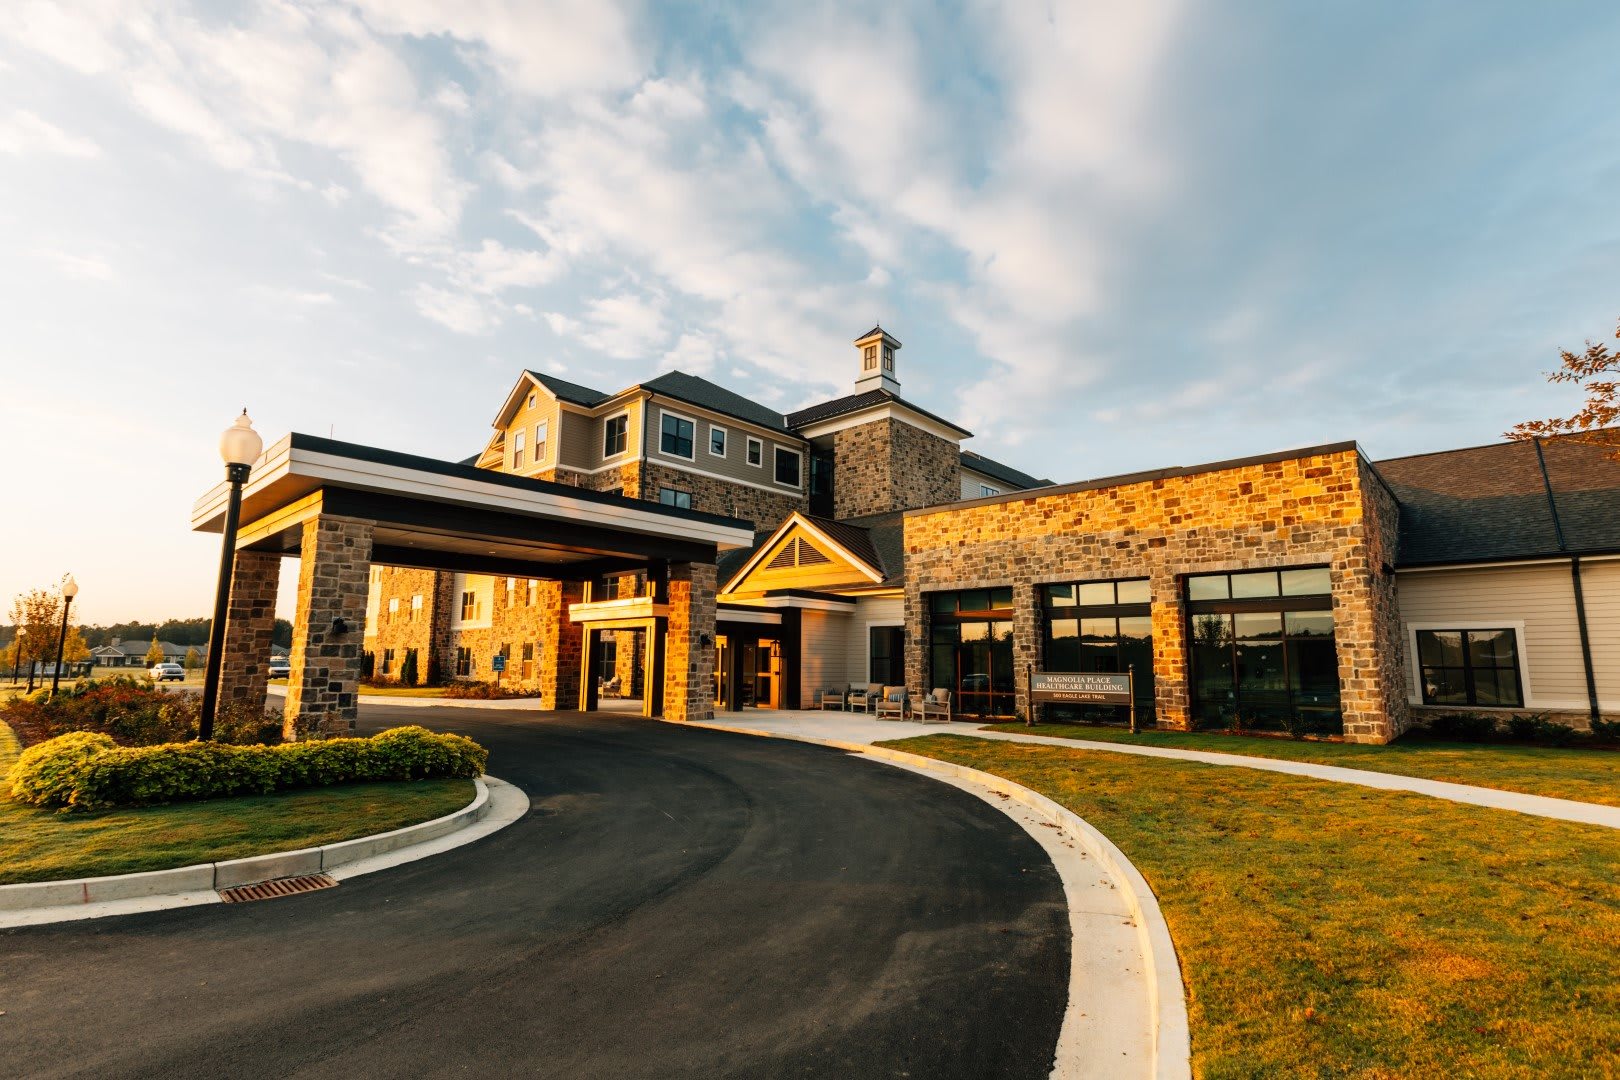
x,y
857,699
874,696
831,699
893,704
934,705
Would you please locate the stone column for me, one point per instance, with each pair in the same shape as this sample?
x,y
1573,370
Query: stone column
x,y
1026,642
333,579
561,646
250,622
917,641
1172,672
688,662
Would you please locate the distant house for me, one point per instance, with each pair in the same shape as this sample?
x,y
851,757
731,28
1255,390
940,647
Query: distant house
x,y
132,653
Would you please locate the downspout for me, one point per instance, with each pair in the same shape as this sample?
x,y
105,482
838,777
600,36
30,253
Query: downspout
x,y
1575,580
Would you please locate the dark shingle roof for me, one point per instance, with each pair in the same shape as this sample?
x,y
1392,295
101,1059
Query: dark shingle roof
x,y
707,395
569,391
885,534
997,471
1491,502
826,410
851,538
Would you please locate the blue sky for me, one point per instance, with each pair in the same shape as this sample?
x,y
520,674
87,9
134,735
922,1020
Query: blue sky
x,y
1109,239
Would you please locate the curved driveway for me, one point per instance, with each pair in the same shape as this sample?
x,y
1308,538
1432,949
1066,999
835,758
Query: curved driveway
x,y
676,903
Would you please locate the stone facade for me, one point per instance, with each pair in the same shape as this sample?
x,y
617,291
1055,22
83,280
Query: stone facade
x,y
1273,513
333,579
250,624
689,643
766,509
410,627
890,465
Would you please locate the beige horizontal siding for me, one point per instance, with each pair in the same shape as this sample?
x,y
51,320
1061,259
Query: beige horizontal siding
x,y
1540,597
869,610
821,654
1600,584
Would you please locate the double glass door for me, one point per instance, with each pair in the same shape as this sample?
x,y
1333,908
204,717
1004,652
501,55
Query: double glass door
x,y
976,659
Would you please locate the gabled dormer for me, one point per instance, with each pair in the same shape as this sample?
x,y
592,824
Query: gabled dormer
x,y
876,349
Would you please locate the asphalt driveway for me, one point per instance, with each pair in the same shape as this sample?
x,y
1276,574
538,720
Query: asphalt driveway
x,y
678,902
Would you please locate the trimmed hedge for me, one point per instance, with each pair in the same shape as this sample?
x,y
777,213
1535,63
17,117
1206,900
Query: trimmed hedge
x,y
88,771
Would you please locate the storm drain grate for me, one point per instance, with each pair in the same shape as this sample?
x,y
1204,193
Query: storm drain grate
x,y
269,890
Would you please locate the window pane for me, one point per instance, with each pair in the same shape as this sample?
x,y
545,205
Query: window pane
x,y
1097,594
1207,587
1212,630
1309,623
1135,592
1063,645
1444,686
1307,582
1313,672
787,467
1002,597
1491,648
1440,648
1485,687
975,600
1245,586
1507,687
717,441
943,602
1060,595
1258,625
1136,626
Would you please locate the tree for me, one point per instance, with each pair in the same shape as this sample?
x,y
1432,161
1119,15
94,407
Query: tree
x,y
1597,372
74,649
37,614
193,659
154,652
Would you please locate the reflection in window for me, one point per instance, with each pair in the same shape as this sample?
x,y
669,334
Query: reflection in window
x,y
1105,627
1470,667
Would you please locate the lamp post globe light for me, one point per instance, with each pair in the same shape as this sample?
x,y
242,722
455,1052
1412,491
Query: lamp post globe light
x,y
239,446
70,589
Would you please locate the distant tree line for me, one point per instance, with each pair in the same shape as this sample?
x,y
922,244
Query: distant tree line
x,y
177,631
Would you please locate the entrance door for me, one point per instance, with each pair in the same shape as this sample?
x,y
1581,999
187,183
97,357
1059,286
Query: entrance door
x,y
983,663
760,674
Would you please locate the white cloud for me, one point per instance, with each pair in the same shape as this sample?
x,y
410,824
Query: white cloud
x,y
625,327
24,132
691,352
81,266
456,311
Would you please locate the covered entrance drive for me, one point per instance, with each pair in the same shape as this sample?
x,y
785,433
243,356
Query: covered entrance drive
x,y
341,507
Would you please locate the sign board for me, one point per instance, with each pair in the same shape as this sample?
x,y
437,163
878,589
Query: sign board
x,y
1087,687
499,662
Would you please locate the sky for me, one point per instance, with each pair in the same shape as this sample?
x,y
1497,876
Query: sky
x,y
1111,237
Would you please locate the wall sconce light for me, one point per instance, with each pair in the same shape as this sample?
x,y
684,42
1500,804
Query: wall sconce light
x,y
705,640
339,627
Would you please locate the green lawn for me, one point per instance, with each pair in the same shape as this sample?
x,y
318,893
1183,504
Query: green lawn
x,y
42,845
1587,775
1329,930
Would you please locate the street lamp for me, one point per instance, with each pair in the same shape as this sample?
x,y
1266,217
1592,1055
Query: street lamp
x,y
70,589
239,446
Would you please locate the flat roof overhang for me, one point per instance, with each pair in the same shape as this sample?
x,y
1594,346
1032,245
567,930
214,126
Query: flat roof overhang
x,y
440,515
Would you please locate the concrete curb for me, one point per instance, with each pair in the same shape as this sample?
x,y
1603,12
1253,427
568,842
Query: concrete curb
x,y
1167,996
434,702
35,903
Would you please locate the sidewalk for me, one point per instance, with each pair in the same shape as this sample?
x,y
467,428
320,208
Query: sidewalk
x,y
859,728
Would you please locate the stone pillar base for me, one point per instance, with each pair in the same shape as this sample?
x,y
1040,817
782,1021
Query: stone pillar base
x,y
333,580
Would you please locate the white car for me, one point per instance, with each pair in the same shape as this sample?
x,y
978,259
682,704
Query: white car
x,y
166,672
280,668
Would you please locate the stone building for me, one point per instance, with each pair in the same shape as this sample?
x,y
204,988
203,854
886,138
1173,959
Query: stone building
x,y
1313,591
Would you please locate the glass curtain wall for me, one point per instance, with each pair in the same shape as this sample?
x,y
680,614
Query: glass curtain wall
x,y
1105,627
971,650
1263,651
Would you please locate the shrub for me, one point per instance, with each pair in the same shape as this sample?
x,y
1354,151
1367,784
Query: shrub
x,y
487,691
87,771
134,713
1607,730
1462,727
1539,727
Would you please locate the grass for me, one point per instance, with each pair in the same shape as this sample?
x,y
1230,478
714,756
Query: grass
x,y
1562,773
42,845
1332,931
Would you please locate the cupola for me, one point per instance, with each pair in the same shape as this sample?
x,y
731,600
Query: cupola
x,y
876,349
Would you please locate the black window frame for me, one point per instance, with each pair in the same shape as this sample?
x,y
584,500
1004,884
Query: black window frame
x,y
615,435
674,499
670,442
1468,667
888,665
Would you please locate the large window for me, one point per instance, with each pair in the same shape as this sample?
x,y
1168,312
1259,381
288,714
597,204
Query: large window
x,y
887,648
464,661
615,435
788,467
1263,650
1105,627
672,497
1470,667
970,649
469,606
676,436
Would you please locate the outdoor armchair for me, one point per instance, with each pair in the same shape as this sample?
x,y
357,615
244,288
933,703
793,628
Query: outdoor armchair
x,y
893,705
935,705
832,699
874,696
857,698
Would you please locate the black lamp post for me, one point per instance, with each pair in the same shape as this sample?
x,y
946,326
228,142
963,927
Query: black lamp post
x,y
70,589
239,446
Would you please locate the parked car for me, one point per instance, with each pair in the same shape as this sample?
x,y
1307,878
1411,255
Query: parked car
x,y
280,668
166,672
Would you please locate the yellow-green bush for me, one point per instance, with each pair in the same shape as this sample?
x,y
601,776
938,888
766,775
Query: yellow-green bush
x,y
86,771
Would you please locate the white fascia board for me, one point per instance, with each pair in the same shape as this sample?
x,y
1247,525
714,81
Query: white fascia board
x,y
762,617
797,518
628,607
884,411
